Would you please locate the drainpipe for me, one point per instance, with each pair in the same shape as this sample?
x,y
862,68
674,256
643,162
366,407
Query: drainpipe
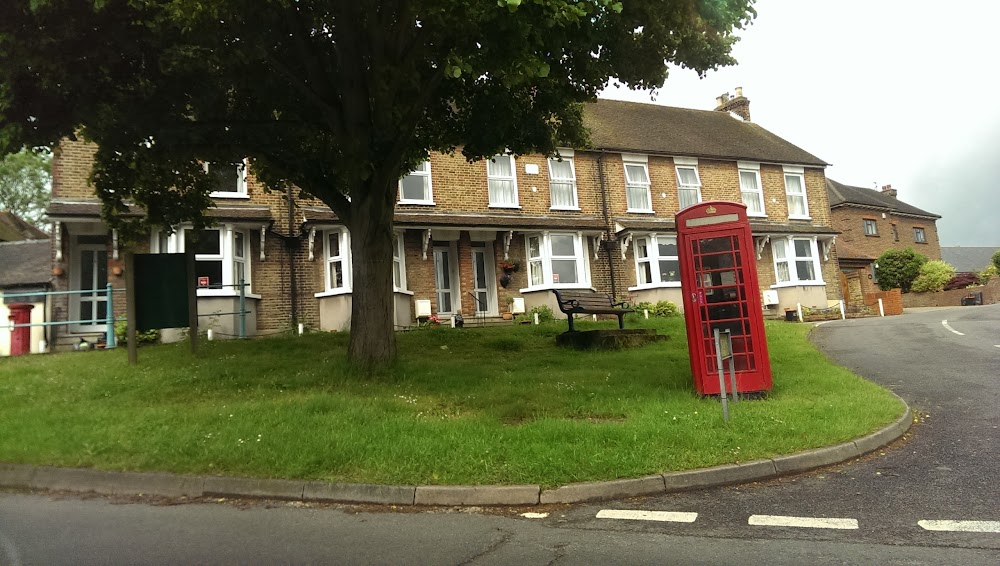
x,y
290,249
607,223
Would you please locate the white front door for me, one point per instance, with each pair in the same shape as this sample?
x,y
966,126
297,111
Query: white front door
x,y
90,307
484,288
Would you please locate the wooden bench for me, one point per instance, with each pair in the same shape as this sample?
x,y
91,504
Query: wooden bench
x,y
587,301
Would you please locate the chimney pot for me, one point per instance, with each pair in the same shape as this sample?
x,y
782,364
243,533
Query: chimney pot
x,y
739,92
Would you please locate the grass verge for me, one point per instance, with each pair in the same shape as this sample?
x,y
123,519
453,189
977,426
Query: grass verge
x,y
463,406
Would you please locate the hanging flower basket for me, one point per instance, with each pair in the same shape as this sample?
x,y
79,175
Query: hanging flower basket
x,y
505,280
509,266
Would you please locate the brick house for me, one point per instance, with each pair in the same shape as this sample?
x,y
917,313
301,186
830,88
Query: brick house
x,y
598,217
871,222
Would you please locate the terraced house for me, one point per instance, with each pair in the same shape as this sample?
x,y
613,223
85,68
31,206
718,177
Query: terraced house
x,y
598,217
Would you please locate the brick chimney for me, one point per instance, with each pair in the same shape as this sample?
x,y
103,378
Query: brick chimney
x,y
887,190
738,104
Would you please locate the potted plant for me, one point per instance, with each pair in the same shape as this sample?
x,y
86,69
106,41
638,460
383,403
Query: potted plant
x,y
510,301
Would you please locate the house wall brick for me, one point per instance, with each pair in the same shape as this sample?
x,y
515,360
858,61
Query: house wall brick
x,y
849,221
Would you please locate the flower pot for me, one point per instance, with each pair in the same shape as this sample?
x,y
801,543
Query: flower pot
x,y
507,316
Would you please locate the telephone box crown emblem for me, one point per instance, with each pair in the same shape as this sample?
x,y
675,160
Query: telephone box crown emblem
x,y
710,210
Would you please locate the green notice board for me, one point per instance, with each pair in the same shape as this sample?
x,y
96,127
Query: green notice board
x,y
161,291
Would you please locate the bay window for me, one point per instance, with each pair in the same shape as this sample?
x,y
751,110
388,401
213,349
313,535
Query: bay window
x,y
557,259
796,261
220,256
656,260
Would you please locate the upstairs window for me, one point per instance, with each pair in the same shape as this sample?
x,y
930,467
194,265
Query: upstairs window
x,y
230,179
688,182
919,236
795,191
895,233
871,227
562,182
751,188
502,181
637,186
415,188
656,260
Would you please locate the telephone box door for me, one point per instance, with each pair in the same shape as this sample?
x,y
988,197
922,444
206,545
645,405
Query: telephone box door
x,y
721,291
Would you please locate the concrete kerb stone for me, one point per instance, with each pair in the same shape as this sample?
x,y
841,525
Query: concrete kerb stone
x,y
815,458
719,475
250,487
360,493
73,479
161,484
477,495
16,475
602,490
888,434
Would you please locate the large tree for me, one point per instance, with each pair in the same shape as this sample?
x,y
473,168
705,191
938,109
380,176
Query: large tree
x,y
25,179
337,98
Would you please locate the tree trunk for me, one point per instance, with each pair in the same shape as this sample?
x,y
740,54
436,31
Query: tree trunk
x,y
373,340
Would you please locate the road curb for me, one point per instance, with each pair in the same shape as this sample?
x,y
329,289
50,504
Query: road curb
x,y
20,476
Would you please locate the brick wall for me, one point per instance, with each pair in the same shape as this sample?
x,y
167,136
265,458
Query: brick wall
x,y
892,301
953,298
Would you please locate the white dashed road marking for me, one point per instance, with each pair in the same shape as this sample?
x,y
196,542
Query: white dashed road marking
x,y
962,526
634,515
805,522
944,323
534,515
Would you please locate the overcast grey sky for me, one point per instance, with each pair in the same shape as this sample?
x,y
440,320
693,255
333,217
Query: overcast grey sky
x,y
888,91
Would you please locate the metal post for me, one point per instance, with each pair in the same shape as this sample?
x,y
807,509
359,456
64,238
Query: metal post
x,y
192,287
243,308
132,346
732,364
722,378
110,341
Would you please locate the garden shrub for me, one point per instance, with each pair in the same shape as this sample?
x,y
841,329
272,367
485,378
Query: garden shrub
x,y
147,337
986,274
961,281
664,309
933,276
545,314
996,260
898,268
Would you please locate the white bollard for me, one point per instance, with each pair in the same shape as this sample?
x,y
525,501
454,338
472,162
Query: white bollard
x,y
843,313
42,347
798,306
645,313
211,335
302,329
453,322
881,309
536,318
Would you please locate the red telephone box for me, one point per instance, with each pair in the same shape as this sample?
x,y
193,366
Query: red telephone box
x,y
721,291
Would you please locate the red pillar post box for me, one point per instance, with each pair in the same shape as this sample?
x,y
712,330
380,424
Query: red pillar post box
x,y
721,291
20,337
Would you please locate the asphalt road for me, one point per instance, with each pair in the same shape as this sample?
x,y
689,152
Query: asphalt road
x,y
945,469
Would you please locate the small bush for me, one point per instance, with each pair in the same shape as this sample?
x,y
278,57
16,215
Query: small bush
x,y
545,314
148,337
665,309
961,281
898,268
933,276
996,260
986,274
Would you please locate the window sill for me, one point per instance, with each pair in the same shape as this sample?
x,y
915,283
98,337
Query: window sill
x,y
647,286
242,196
551,286
756,214
225,293
403,292
332,293
790,217
566,208
872,236
798,284
638,211
513,206
418,202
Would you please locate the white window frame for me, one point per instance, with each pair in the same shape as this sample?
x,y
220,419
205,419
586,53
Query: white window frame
x,y
790,260
424,172
512,177
343,257
544,261
692,164
637,160
566,156
798,172
923,235
174,243
241,181
399,263
753,168
653,258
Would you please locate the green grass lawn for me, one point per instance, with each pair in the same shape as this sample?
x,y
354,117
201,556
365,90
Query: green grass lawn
x,y
463,406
